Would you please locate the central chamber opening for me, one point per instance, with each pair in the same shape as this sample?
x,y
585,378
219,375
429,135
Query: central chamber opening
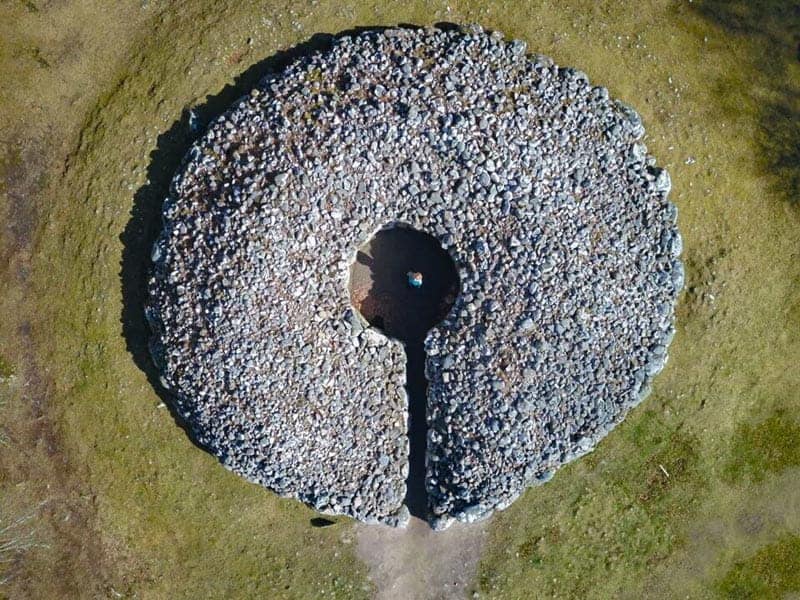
x,y
403,283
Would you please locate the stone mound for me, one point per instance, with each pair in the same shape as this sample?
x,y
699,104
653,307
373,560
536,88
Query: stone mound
x,y
534,181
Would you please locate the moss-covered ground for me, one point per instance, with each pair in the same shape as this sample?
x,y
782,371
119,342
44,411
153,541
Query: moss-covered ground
x,y
102,494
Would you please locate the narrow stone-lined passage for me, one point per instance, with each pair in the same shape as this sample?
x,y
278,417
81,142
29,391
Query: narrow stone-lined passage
x,y
403,283
417,388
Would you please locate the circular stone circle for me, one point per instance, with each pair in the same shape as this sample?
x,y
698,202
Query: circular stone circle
x,y
533,180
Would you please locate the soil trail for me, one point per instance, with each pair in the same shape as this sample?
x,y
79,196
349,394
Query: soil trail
x,y
418,563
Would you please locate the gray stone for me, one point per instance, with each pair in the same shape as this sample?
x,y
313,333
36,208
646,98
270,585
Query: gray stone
x,y
252,328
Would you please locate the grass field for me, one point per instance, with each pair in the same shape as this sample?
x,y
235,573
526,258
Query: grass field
x,y
102,494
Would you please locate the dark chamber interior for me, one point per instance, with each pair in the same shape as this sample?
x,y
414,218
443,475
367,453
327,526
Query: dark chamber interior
x,y
379,286
380,290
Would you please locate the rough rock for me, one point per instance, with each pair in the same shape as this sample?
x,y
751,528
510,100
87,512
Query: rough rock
x,y
539,187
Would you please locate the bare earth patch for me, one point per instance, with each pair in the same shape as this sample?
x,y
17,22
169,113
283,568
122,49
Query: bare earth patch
x,y
419,563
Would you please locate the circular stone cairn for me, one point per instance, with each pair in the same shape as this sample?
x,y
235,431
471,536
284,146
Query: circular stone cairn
x,y
536,183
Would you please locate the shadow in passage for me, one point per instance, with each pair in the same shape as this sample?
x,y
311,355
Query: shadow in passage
x,y
380,290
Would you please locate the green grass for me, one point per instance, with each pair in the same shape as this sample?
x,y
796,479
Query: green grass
x,y
771,573
766,447
685,499
6,370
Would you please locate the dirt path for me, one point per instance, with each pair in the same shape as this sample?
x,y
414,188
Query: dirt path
x,y
418,563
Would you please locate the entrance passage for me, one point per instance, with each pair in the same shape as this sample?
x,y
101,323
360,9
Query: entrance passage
x,y
403,283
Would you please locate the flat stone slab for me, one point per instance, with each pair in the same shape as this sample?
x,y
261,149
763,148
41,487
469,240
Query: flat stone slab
x,y
536,183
